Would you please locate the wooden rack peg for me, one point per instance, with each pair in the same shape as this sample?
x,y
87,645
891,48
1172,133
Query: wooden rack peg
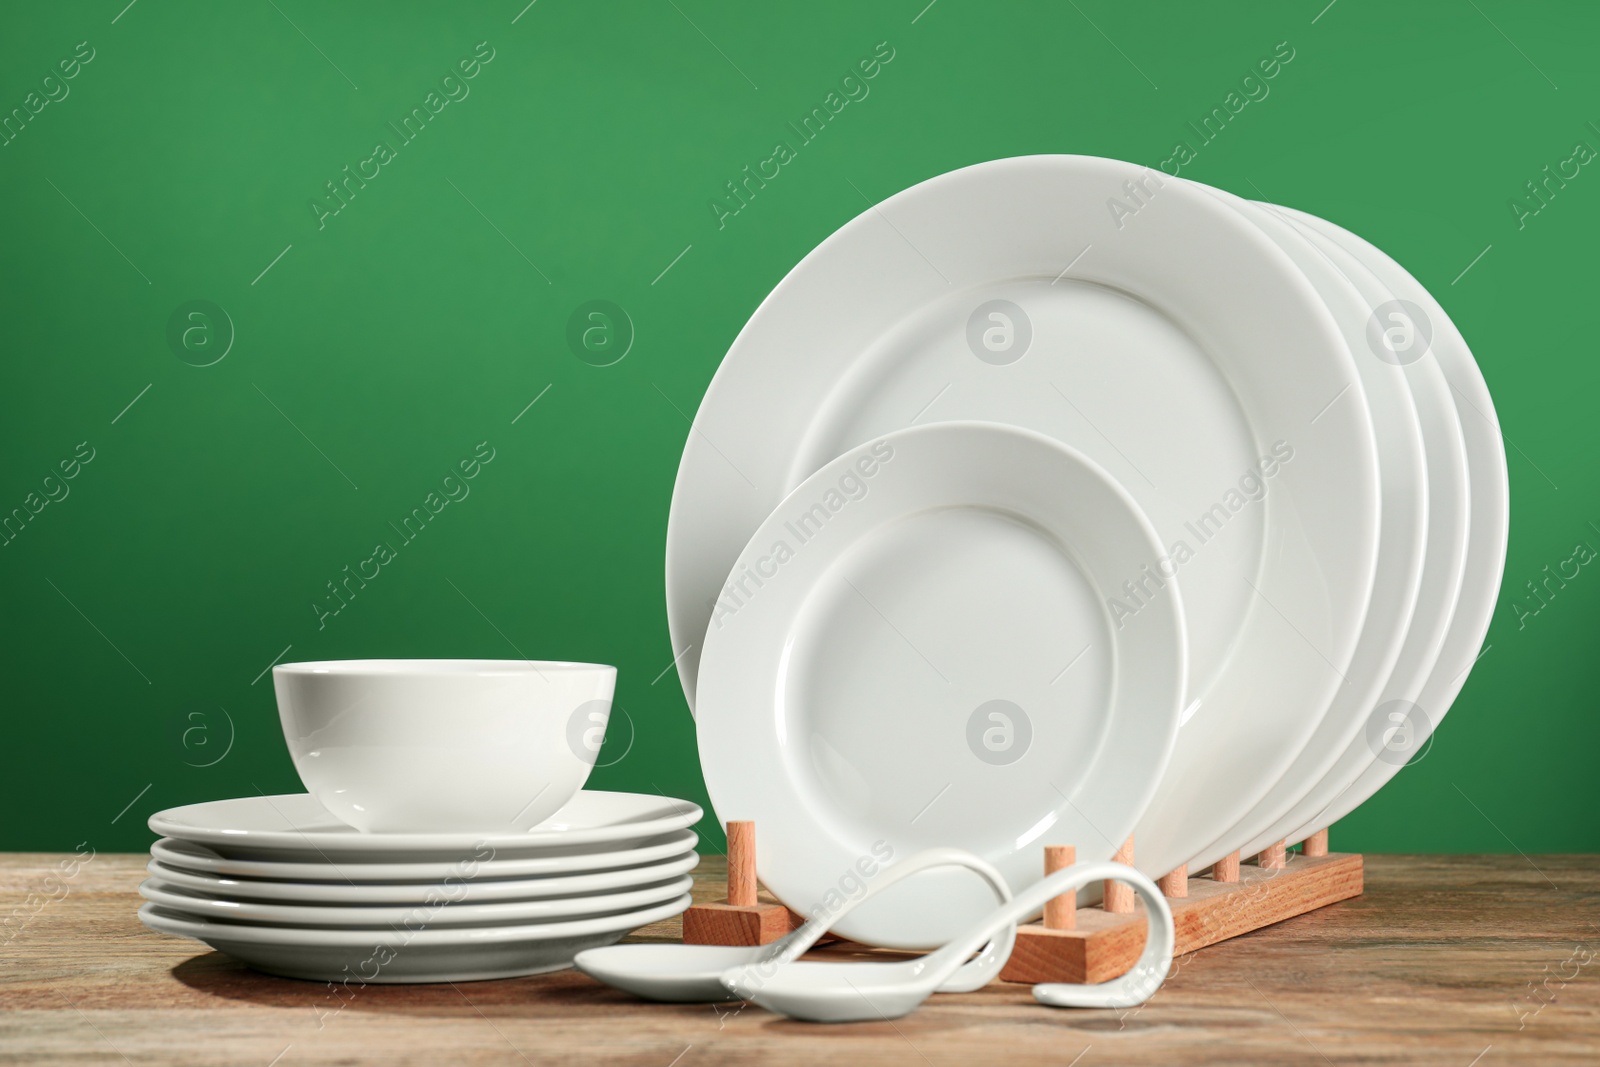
x,y
1117,896
1060,913
1100,943
742,864
742,918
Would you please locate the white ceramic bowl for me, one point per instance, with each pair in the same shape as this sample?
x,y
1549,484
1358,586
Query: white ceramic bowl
x,y
443,745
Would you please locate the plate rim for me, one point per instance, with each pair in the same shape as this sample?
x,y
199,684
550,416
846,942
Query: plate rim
x,y
290,891
1489,523
337,841
157,891
1403,473
434,937
421,872
1418,654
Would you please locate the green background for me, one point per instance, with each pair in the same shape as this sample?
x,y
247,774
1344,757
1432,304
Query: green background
x,y
141,611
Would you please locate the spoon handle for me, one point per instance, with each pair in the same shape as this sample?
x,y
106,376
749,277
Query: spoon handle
x,y
1133,988
972,975
1140,983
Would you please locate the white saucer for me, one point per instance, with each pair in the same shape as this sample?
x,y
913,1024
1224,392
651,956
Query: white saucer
x,y
415,916
188,856
459,954
921,650
459,888
1176,348
294,827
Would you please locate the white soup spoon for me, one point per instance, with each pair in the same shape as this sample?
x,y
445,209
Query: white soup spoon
x,y
830,992
691,974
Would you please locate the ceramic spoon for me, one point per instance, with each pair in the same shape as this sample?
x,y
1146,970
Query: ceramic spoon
x,y
826,992
692,974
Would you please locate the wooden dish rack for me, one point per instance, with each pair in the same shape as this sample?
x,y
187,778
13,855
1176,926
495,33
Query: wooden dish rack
x,y
1093,944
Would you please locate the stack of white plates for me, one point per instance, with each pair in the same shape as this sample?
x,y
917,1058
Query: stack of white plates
x,y
279,884
1055,500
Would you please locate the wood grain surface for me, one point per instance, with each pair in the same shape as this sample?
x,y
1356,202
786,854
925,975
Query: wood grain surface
x,y
1458,961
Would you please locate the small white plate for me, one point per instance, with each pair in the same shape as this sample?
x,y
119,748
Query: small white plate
x,y
1169,340
459,889
1394,741
188,856
294,827
415,916
451,954
921,650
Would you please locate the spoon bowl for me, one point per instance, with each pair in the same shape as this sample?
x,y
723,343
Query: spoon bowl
x,y
692,974
831,992
670,974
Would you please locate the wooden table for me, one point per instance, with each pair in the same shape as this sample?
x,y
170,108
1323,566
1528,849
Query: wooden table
x,y
1462,961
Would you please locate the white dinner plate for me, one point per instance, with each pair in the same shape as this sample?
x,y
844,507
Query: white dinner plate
x,y
921,649
459,889
1402,539
295,828
448,954
1172,342
1444,561
1393,741
409,916
188,856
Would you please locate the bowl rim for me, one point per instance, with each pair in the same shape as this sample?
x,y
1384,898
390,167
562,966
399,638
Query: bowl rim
x,y
476,668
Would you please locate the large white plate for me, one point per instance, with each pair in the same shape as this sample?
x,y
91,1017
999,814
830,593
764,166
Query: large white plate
x,y
188,856
1402,538
1392,742
460,954
920,652
1444,562
295,828
414,916
461,888
1178,347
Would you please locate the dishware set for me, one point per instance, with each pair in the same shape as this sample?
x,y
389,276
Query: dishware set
x,y
1051,501
1058,501
446,836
